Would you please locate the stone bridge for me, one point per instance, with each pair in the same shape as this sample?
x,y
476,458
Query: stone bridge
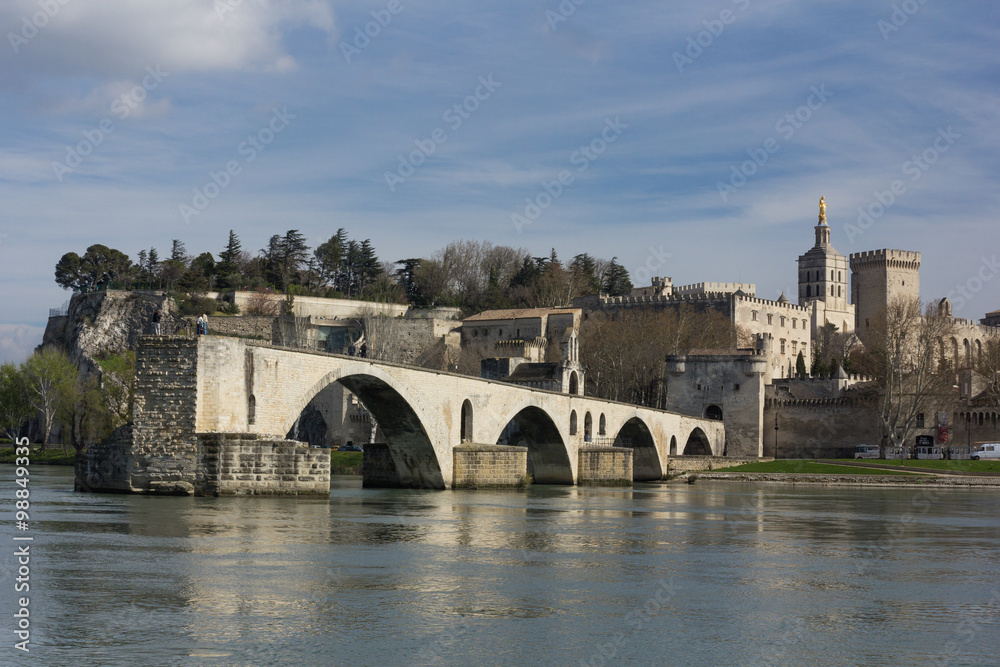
x,y
195,395
258,388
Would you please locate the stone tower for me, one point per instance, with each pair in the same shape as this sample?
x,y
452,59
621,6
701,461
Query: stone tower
x,y
878,277
823,282
823,270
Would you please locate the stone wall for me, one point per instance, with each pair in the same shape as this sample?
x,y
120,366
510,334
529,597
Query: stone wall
x,y
691,463
378,470
238,464
605,466
242,326
165,447
818,428
104,467
489,466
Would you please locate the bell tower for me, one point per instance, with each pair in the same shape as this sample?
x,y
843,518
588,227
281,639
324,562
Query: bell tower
x,y
823,272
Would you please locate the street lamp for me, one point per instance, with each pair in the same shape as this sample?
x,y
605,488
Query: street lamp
x,y
968,430
775,434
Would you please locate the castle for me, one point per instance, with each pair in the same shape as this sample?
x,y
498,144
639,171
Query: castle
x,y
750,387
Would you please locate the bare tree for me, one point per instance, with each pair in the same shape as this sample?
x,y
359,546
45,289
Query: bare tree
x,y
383,335
902,358
624,354
263,303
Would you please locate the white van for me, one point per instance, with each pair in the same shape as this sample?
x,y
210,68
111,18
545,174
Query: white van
x,y
866,452
987,451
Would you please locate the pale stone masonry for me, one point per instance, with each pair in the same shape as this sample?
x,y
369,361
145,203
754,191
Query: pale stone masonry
x,y
239,464
479,466
605,466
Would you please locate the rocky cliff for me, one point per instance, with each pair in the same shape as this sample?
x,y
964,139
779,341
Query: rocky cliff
x,y
108,321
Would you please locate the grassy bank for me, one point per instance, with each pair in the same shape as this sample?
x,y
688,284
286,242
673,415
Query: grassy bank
x,y
807,467
964,466
345,463
53,456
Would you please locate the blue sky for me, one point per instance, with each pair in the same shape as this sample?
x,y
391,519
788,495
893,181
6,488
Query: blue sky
x,y
830,98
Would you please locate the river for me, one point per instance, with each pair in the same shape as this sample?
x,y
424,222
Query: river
x,y
714,573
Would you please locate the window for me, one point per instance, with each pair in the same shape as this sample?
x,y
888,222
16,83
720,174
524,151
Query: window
x,y
698,387
782,345
782,320
809,290
838,291
795,345
920,420
770,319
736,387
831,290
831,274
839,279
795,323
753,315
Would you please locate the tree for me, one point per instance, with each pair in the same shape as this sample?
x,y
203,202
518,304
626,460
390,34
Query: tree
x,y
47,377
624,353
616,281
178,252
228,268
800,365
328,258
901,358
14,405
118,385
99,266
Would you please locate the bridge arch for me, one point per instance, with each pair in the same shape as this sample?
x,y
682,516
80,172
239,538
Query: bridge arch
x,y
697,444
635,433
415,458
548,456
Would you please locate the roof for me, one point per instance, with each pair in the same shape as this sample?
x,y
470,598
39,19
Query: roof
x,y
533,372
520,313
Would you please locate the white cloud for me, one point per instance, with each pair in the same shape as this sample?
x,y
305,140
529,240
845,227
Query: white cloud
x,y
110,38
18,340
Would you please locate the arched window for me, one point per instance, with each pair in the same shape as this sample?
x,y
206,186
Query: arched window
x,y
573,383
466,435
839,279
831,274
809,291
588,426
602,425
838,291
753,315
713,412
831,290
572,422
968,352
251,410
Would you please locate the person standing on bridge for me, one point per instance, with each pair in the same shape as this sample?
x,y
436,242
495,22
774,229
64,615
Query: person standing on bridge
x,y
156,322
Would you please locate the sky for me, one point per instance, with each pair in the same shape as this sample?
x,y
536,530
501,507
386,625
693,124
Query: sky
x,y
687,139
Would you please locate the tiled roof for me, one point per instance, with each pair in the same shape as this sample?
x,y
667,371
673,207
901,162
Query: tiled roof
x,y
520,313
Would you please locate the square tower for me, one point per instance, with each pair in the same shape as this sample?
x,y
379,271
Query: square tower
x,y
878,277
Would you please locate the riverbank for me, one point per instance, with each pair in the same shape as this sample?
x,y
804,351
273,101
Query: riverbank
x,y
848,480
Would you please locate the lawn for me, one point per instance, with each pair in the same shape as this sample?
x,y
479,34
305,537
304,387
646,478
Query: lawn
x,y
345,463
53,455
806,467
941,464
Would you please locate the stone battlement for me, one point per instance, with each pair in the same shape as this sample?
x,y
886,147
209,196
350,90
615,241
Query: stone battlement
x,y
715,288
898,258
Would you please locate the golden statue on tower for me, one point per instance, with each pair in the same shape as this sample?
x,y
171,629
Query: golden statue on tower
x,y
822,210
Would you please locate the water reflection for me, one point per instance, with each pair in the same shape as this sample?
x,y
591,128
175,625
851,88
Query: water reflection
x,y
704,574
